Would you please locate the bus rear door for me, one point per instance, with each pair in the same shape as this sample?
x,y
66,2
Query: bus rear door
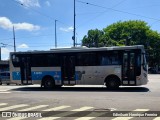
x,y
129,68
25,69
68,69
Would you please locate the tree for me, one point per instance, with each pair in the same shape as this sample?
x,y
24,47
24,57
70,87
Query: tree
x,y
128,32
132,32
93,38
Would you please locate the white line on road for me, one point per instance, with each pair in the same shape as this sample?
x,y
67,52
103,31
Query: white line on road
x,y
33,108
13,107
56,108
40,106
85,118
49,118
1,104
82,109
4,92
17,118
67,113
96,114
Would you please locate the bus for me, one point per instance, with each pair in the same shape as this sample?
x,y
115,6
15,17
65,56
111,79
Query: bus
x,y
110,66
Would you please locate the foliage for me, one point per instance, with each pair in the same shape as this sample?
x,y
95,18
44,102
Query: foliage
x,y
133,32
93,39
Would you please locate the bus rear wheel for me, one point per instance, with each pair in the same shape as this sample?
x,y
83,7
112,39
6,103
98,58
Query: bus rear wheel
x,y
48,82
112,83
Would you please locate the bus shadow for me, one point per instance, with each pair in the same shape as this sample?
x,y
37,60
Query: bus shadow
x,y
84,89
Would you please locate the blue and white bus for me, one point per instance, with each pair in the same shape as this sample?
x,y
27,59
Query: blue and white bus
x,y
110,66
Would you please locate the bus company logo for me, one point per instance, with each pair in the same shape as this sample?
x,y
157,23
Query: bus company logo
x,y
20,114
6,114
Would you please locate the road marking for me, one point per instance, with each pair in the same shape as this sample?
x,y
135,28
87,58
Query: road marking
x,y
13,107
85,118
157,118
33,108
1,104
40,106
128,118
96,114
27,109
56,108
49,118
17,118
82,109
4,92
67,113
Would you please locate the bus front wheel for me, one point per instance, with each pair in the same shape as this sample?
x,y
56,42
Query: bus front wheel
x,y
48,82
112,83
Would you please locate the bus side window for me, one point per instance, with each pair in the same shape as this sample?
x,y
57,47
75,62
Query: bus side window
x,y
105,60
110,58
86,59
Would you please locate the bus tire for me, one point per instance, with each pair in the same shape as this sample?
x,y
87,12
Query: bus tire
x,y
8,83
0,83
48,82
112,82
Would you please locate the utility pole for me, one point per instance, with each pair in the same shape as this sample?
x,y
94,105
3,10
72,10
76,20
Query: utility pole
x,y
74,31
55,33
14,40
0,53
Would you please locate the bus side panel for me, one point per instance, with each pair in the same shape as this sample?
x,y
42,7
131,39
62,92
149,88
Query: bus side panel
x,y
95,75
39,72
85,75
104,71
15,76
143,78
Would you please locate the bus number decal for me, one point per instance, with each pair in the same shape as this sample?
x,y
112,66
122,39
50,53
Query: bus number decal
x,y
38,73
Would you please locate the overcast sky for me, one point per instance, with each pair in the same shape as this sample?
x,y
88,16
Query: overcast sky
x,y
34,20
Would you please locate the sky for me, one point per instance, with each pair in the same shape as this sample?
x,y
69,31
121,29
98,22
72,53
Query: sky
x,y
34,20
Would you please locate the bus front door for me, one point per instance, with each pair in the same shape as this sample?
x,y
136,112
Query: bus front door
x,y
128,68
68,70
25,69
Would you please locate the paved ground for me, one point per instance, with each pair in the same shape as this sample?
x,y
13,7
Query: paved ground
x,y
68,101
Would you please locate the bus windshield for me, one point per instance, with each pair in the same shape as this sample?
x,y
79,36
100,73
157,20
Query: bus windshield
x,y
144,62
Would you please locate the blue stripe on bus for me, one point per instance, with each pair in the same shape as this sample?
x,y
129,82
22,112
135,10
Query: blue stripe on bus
x,y
16,76
38,75
78,75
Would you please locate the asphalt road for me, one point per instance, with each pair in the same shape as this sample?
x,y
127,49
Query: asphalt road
x,y
94,101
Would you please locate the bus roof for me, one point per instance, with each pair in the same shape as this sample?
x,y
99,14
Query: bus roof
x,y
82,49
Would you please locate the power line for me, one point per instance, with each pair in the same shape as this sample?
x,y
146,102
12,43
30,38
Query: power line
x,y
42,14
4,39
102,7
117,10
51,18
90,13
7,40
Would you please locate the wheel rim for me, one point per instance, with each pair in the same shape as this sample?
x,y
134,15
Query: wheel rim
x,y
112,83
48,83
